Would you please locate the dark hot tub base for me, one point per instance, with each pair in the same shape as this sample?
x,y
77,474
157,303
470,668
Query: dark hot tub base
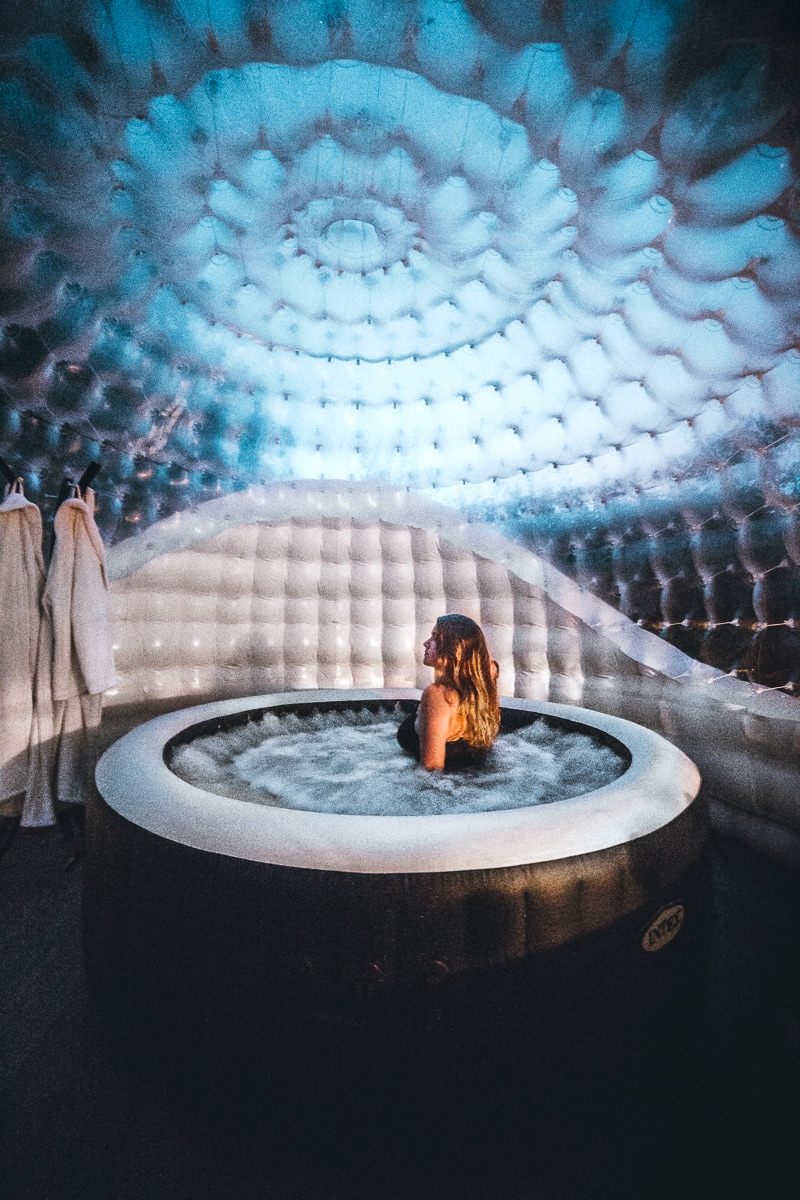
x,y
304,981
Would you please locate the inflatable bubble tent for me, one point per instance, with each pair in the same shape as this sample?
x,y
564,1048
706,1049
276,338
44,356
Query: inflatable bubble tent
x,y
522,272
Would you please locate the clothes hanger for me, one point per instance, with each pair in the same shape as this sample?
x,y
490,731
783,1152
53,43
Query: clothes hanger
x,y
10,475
70,490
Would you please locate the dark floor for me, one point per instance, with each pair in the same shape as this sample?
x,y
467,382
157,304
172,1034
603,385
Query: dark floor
x,y
79,1120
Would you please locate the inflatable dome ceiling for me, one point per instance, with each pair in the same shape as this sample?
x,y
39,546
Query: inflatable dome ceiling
x,y
538,259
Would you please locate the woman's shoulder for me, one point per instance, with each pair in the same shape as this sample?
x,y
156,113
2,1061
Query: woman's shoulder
x,y
439,695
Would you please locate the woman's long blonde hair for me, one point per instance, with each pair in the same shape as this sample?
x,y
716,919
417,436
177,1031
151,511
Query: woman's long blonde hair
x,y
463,663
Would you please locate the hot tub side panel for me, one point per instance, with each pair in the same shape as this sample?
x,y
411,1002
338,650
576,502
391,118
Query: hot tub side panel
x,y
218,957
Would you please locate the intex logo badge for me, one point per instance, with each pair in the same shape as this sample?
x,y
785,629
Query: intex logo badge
x,y
664,927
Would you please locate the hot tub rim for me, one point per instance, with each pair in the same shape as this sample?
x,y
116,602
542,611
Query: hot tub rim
x,y
628,808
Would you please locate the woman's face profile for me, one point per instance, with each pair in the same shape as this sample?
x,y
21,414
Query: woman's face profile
x,y
431,653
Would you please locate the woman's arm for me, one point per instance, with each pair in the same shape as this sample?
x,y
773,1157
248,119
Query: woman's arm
x,y
437,708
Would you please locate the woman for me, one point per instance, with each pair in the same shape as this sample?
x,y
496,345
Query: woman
x,y
458,716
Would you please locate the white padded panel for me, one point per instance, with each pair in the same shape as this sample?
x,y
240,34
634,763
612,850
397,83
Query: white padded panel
x,y
330,602
564,656
529,643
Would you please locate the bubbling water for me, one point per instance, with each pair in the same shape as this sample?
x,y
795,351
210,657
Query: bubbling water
x,y
348,761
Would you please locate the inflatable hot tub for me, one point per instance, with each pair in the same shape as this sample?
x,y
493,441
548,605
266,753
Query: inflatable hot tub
x,y
253,933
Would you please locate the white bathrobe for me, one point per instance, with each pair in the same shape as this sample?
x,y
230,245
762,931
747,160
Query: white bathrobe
x,y
21,582
75,666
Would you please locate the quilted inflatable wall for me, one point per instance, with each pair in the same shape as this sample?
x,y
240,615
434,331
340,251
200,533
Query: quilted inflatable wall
x,y
263,593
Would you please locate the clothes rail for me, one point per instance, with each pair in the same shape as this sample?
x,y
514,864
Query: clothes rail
x,y
66,487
